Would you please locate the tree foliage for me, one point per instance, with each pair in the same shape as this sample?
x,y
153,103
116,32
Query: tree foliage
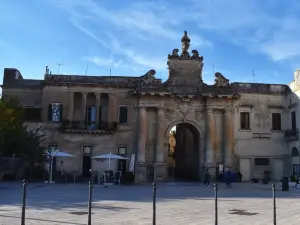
x,y
15,138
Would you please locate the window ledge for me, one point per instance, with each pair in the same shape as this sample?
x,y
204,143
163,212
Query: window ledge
x,y
245,130
278,131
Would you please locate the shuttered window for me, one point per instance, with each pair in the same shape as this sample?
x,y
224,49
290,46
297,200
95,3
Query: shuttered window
x,y
55,112
123,114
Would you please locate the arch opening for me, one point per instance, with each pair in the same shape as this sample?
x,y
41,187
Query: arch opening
x,y
296,161
183,157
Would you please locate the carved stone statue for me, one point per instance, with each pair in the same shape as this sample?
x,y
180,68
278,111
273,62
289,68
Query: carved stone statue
x,y
174,54
221,81
196,55
185,41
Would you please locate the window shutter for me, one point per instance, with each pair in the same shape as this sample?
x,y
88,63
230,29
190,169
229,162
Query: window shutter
x,y
123,115
100,114
50,112
61,112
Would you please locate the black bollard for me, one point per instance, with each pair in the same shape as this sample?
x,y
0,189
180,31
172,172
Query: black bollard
x,y
216,203
274,203
154,204
24,202
90,204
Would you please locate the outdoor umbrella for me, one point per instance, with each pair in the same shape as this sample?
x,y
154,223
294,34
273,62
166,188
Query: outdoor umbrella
x,y
109,157
57,153
131,165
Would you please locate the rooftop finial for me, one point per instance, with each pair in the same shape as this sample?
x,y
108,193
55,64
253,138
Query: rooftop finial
x,y
185,44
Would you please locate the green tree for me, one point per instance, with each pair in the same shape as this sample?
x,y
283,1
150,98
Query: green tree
x,y
15,138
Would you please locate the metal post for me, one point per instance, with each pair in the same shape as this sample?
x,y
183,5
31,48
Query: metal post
x,y
274,203
216,203
154,204
90,204
24,202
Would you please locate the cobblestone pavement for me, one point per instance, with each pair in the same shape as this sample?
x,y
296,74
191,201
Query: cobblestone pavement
x,y
176,204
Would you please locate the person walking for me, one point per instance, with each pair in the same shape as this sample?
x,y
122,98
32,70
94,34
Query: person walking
x,y
206,178
228,176
240,176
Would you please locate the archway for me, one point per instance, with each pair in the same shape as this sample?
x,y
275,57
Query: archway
x,y
183,157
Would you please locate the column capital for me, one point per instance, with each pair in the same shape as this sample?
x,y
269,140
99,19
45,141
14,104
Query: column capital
x,y
97,94
209,110
228,110
142,108
84,93
160,108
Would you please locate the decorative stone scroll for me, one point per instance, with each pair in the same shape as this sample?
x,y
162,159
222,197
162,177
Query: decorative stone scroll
x,y
149,77
196,55
170,115
221,81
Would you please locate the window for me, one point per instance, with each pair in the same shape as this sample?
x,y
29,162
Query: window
x,y
262,161
87,150
90,114
32,114
276,121
55,112
122,150
245,120
123,114
293,117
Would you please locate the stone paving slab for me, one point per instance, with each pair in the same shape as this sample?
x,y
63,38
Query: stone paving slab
x,y
177,203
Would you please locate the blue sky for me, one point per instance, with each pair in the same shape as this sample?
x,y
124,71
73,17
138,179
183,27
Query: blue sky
x,y
131,37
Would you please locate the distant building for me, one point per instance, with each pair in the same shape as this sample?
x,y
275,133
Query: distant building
x,y
249,127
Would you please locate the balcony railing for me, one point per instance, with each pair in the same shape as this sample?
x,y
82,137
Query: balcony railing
x,y
291,134
89,126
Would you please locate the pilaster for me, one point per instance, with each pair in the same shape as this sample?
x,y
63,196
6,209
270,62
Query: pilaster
x,y
142,135
83,108
160,157
98,100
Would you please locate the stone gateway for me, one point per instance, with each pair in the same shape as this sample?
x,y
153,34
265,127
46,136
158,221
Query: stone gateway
x,y
176,128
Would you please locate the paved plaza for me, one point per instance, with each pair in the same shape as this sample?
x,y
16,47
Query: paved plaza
x,y
177,203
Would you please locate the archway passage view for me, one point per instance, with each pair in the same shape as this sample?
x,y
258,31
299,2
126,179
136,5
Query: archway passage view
x,y
183,161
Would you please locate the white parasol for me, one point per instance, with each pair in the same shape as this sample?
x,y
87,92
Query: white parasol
x,y
56,153
109,157
131,165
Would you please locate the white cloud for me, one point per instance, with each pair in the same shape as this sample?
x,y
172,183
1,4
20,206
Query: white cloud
x,y
101,61
260,26
269,27
141,24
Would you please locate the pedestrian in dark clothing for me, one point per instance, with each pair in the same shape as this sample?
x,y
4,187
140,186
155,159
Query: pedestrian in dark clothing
x,y
206,178
240,176
228,178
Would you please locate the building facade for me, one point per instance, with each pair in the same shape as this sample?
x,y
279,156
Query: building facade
x,y
243,126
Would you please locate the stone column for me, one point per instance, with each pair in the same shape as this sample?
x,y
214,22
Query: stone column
x,y
210,132
160,135
229,136
98,100
71,106
142,135
83,109
112,108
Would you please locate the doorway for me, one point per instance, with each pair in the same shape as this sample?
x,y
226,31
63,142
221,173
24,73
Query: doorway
x,y
184,144
87,161
122,165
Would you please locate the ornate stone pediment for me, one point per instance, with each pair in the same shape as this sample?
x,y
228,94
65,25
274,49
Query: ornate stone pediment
x,y
221,81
